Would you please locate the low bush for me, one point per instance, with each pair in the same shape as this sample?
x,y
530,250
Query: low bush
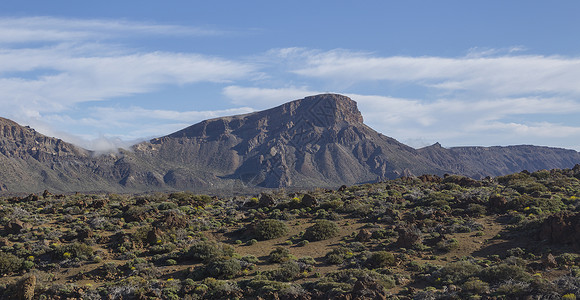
x,y
74,250
321,230
224,269
503,272
9,263
456,272
207,251
270,229
280,254
381,259
288,271
337,256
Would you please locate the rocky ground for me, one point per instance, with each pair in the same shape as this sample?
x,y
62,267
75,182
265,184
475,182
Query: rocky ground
x,y
427,237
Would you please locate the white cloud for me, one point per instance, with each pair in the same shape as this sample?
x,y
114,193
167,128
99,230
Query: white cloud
x,y
478,74
50,29
45,78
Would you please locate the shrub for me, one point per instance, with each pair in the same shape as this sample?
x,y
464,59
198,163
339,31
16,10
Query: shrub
x,y
447,245
9,263
288,271
337,256
74,250
321,230
224,269
208,251
476,286
280,254
476,210
457,272
504,272
381,259
270,229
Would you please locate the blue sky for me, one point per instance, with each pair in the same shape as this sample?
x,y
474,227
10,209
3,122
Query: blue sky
x,y
108,73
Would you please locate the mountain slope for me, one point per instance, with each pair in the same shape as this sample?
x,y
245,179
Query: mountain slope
x,y
318,141
479,162
315,141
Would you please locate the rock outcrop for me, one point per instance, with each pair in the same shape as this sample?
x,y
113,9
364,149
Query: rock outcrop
x,y
562,228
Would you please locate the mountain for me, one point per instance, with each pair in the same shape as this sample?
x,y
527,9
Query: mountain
x,y
315,141
479,162
318,141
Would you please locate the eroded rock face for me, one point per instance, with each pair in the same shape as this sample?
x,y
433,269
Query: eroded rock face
x,y
408,236
27,287
562,228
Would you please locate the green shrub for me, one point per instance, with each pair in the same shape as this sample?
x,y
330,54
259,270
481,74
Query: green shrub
x,y
74,250
321,230
456,272
250,259
280,254
288,271
208,251
447,245
476,210
9,263
270,229
381,259
504,272
224,269
337,256
476,286
303,243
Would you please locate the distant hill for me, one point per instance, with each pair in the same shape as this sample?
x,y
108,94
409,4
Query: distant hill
x,y
318,141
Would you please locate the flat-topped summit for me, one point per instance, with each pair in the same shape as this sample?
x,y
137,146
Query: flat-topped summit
x,y
316,140
323,111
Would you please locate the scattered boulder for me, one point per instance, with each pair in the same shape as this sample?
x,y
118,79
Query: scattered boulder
x,y
154,235
175,220
497,203
364,235
266,200
83,234
16,226
367,288
562,228
99,203
549,261
408,236
309,200
430,178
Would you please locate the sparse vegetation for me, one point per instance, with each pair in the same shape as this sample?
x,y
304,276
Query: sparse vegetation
x,y
503,238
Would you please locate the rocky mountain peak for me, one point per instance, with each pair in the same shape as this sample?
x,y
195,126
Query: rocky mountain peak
x,y
322,111
326,110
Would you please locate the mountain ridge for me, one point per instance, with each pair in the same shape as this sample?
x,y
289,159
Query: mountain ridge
x,y
318,141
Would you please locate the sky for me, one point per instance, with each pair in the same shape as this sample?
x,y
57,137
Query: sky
x,y
107,74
